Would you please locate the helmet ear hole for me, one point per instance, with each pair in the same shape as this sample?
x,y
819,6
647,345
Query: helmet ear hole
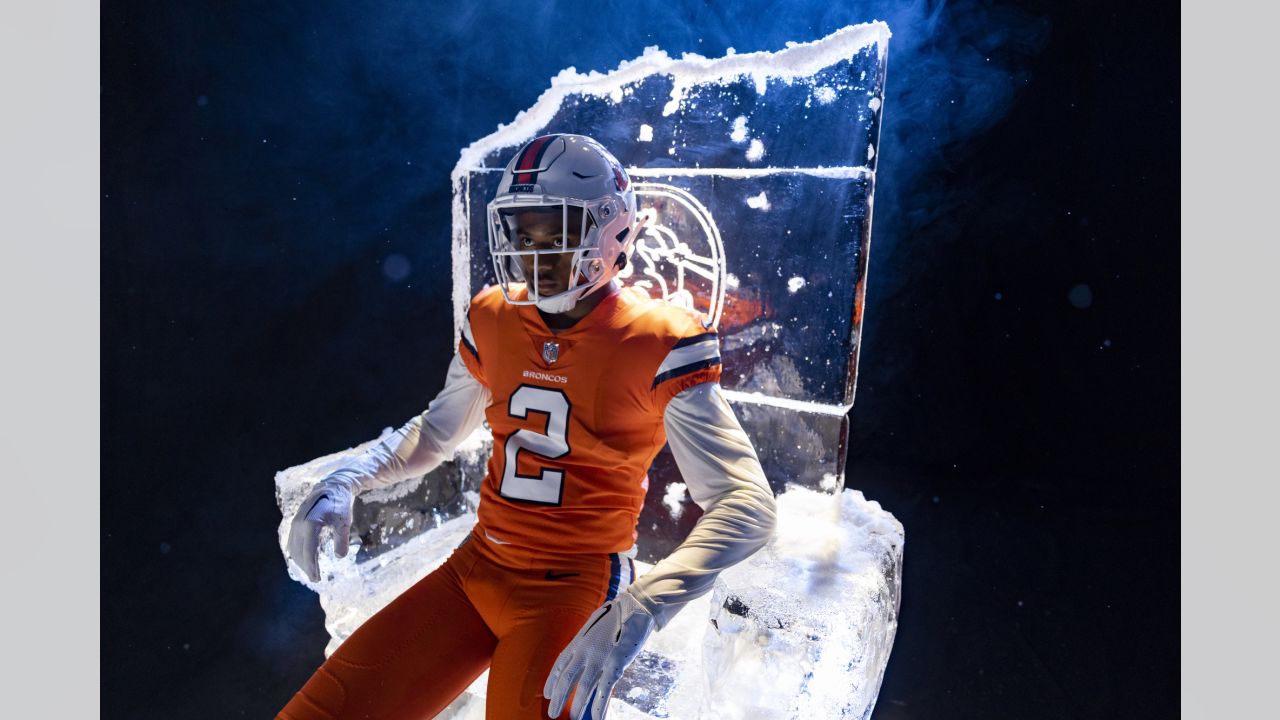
x,y
621,264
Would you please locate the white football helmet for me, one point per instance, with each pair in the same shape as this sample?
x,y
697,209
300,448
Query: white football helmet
x,y
564,171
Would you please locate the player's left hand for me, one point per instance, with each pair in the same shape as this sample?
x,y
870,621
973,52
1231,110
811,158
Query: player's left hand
x,y
607,643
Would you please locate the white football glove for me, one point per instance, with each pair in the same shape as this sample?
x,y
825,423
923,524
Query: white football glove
x,y
607,643
329,504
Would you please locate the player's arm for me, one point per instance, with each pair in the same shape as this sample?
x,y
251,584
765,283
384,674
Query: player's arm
x,y
719,464
724,477
425,441
413,450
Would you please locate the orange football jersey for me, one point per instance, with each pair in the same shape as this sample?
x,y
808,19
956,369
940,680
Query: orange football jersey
x,y
577,414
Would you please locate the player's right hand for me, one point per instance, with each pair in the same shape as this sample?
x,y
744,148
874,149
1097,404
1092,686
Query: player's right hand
x,y
329,504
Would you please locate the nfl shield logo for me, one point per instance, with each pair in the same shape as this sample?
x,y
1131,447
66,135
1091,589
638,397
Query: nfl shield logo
x,y
551,351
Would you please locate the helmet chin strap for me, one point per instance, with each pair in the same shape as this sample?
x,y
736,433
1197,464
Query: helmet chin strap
x,y
562,303
566,301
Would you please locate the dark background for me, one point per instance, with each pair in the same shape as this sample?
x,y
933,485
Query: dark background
x,y
275,268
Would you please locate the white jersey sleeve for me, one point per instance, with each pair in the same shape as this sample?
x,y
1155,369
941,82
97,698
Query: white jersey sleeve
x,y
425,441
720,467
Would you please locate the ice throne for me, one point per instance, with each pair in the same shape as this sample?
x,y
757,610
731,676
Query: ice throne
x,y
757,171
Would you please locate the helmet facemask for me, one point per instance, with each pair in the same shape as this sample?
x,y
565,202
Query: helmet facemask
x,y
574,223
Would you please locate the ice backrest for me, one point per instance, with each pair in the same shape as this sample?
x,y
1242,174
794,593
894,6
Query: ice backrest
x,y
758,172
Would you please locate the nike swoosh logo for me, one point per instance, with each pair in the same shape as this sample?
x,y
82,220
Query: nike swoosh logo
x,y
580,176
552,576
606,612
313,505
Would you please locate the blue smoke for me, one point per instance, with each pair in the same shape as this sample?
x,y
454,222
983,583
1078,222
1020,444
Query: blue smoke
x,y
316,142
363,107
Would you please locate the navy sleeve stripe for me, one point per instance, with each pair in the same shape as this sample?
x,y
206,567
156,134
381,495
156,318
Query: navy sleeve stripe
x,y
685,370
471,347
704,337
466,337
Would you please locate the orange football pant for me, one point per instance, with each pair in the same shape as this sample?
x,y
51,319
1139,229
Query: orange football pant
x,y
488,606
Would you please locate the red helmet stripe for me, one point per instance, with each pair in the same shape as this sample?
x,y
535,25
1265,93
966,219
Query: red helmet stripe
x,y
529,159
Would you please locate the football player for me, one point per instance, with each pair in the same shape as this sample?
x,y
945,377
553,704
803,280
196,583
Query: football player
x,y
582,382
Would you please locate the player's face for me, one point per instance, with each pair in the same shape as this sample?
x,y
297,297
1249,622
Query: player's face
x,y
545,229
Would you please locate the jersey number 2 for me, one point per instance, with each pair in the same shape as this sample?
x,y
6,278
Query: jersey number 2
x,y
545,488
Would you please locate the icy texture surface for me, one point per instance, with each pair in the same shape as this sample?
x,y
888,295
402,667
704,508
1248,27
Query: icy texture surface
x,y
757,170
803,629
398,534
